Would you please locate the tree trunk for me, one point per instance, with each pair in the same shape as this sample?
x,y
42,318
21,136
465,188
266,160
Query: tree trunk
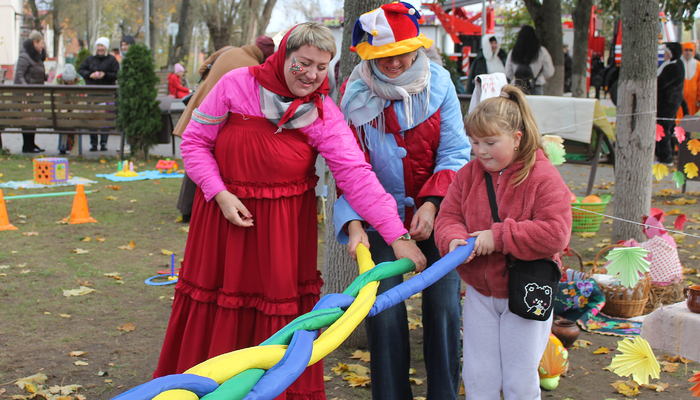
x,y
547,19
180,51
339,270
153,28
57,29
636,125
36,24
219,36
264,19
582,22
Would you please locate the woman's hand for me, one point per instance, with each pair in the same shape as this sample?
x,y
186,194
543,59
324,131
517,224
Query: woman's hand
x,y
357,235
233,209
484,244
408,249
423,220
461,242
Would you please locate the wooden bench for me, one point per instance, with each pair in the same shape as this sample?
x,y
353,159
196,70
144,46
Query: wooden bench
x,y
162,85
60,109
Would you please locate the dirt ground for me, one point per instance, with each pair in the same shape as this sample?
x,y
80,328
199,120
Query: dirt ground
x,y
40,327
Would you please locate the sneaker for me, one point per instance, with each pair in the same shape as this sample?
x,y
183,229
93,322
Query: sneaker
x,y
103,148
93,148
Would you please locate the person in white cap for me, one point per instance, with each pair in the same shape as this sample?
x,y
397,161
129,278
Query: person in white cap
x,y
407,118
100,69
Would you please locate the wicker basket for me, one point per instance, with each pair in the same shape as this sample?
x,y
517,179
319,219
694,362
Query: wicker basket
x,y
571,253
618,302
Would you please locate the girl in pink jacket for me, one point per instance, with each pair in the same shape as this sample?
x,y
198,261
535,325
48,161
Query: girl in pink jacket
x,y
502,350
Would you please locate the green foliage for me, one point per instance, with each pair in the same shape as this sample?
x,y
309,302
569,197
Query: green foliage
x,y
681,10
513,19
139,113
82,55
454,69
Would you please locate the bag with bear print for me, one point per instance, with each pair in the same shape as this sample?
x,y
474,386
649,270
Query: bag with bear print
x,y
532,285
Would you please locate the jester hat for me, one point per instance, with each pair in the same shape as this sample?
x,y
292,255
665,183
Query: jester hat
x,y
391,29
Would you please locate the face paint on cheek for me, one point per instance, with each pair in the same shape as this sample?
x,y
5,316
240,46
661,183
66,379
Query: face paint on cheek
x,y
294,68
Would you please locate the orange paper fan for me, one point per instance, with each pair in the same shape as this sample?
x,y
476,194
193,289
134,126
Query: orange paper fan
x,y
696,388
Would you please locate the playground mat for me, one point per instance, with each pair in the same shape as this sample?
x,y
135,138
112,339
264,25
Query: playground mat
x,y
30,184
153,174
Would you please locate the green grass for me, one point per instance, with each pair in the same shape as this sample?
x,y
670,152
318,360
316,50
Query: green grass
x,y
35,337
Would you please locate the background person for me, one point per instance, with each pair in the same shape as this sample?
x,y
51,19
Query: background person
x,y
568,69
489,59
100,68
68,77
30,71
415,144
691,86
175,87
527,52
669,96
250,266
222,61
125,43
502,350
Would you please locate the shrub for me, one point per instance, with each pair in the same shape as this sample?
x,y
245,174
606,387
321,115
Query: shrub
x,y
139,113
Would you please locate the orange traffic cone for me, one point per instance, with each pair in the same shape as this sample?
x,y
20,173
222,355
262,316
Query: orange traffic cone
x,y
79,214
5,224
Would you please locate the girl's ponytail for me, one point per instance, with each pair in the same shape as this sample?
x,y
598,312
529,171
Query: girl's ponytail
x,y
531,140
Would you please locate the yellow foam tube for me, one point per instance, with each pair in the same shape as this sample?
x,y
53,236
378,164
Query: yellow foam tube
x,y
225,366
176,394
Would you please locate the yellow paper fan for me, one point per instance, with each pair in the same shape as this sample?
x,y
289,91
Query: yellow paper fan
x,y
637,359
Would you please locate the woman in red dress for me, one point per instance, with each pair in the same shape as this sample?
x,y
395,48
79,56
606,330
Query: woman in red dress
x,y
250,266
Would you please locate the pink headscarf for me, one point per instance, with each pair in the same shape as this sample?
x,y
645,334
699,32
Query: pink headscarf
x,y
179,68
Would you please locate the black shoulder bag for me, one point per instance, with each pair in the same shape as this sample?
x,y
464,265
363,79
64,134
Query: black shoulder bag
x,y
532,285
187,98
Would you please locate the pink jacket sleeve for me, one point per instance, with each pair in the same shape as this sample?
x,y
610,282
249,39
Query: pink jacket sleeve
x,y
354,176
232,93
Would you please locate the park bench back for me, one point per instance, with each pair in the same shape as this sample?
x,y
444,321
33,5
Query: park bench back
x,y
60,109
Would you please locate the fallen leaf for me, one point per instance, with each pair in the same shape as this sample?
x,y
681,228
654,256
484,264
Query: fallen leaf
x,y
586,234
326,378
129,246
79,251
80,363
128,327
580,343
76,353
87,239
29,380
669,366
602,350
113,187
659,386
167,252
357,380
111,198
628,389
133,201
65,315
30,233
362,355
417,381
99,239
78,292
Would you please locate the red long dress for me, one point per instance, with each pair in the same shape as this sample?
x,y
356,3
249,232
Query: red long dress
x,y
238,285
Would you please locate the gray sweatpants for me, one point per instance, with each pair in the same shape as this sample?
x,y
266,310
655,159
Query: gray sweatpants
x,y
502,351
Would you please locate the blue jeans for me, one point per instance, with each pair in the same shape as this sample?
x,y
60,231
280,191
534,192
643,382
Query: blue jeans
x,y
387,333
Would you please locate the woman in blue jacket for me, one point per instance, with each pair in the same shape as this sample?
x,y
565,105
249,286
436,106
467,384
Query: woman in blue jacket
x,y
407,118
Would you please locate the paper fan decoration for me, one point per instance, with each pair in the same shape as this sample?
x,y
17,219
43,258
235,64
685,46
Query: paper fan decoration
x,y
679,178
659,132
546,139
659,171
555,153
679,133
696,388
554,362
637,359
629,262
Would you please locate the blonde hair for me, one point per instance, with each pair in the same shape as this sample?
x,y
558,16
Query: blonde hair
x,y
313,34
506,115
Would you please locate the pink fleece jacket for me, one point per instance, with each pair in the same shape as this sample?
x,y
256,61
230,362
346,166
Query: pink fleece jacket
x,y
535,215
239,92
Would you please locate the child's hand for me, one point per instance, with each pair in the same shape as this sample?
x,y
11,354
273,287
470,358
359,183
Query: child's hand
x,y
460,242
484,244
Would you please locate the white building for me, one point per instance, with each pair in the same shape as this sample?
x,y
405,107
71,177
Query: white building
x,y
10,23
